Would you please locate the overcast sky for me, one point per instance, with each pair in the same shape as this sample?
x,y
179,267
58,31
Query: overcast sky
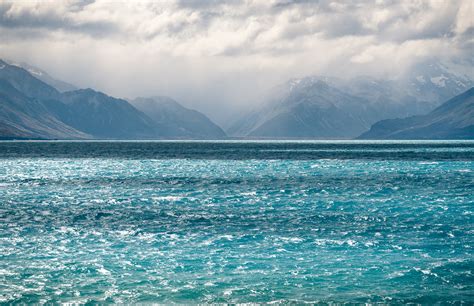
x,y
214,55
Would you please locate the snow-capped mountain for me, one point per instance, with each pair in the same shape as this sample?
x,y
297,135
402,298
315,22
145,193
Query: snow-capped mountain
x,y
435,82
328,107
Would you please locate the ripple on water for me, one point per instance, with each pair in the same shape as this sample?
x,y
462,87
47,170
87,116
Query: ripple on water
x,y
142,230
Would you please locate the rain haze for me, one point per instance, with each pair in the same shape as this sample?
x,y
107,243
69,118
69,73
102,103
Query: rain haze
x,y
220,56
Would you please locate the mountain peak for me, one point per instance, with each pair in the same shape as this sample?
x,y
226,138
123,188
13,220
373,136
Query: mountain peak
x,y
90,91
313,81
42,76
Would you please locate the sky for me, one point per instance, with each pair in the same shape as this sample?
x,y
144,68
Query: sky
x,y
221,56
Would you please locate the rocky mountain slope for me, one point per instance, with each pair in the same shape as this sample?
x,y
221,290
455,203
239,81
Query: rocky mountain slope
x,y
30,108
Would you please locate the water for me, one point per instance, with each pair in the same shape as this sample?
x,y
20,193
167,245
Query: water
x,y
238,222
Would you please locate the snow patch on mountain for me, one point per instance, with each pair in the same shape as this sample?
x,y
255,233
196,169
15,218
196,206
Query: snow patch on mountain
x,y
421,79
439,81
34,72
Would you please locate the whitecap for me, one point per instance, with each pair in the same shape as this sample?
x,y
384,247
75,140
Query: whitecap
x,y
227,237
426,272
146,237
4,272
292,239
167,198
103,271
351,242
125,233
251,193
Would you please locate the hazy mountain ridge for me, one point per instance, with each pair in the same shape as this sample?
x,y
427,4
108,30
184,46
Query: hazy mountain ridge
x,y
310,107
33,109
328,107
176,120
311,110
435,81
105,117
42,75
454,119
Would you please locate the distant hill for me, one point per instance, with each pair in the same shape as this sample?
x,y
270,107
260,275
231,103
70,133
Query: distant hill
x,y
454,119
176,121
32,109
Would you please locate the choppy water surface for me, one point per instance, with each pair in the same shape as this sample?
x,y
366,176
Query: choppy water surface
x,y
188,222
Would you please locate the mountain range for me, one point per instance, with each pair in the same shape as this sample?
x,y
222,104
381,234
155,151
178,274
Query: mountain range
x,y
452,120
32,109
34,105
327,107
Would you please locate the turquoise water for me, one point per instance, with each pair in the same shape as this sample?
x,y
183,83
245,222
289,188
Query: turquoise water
x,y
237,222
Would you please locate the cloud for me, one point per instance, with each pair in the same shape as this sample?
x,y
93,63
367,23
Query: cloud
x,y
223,53
218,27
36,15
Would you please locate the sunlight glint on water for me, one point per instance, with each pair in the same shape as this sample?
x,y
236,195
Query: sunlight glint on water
x,y
226,230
